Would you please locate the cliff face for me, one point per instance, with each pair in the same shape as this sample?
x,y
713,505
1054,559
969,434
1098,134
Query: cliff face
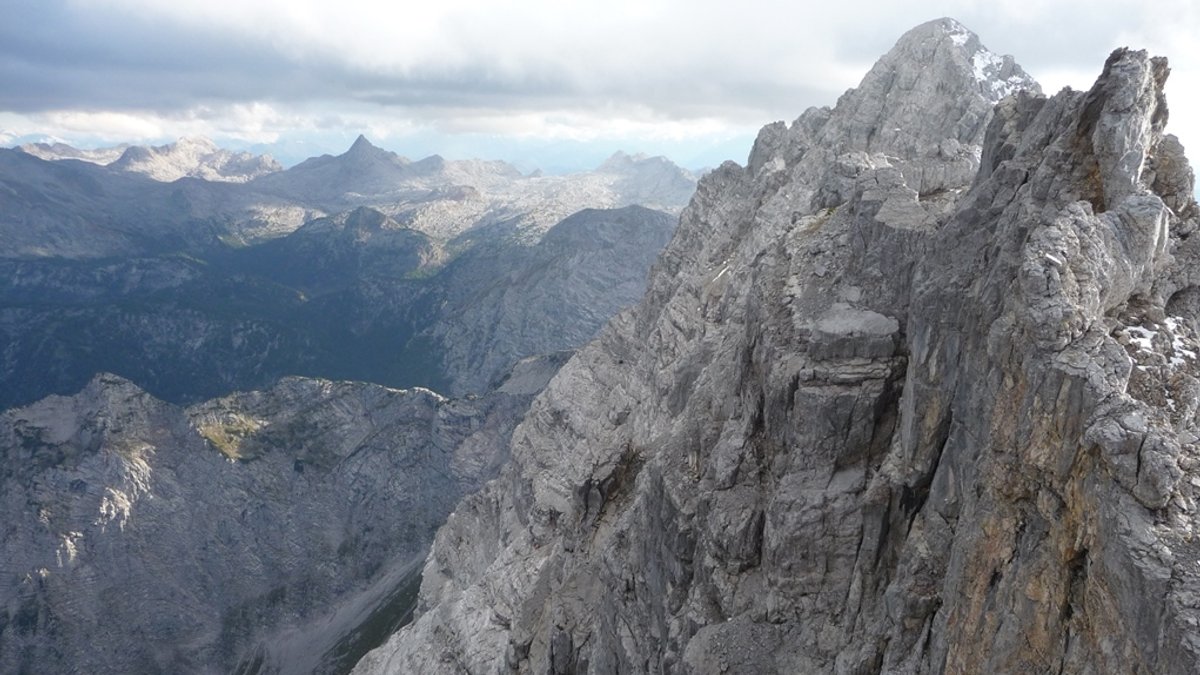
x,y
272,531
497,305
914,391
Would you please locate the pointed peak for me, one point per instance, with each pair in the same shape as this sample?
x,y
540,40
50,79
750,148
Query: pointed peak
x,y
943,27
361,144
948,45
364,149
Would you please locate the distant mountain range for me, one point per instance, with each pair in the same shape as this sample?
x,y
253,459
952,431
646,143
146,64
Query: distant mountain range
x,y
173,276
78,209
364,265
186,158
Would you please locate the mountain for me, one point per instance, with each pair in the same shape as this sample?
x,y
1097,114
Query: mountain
x,y
651,181
354,296
333,253
188,157
195,158
363,172
269,531
493,310
913,391
78,210
448,198
57,151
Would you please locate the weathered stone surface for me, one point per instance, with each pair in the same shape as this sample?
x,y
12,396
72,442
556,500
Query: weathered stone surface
x,y
913,392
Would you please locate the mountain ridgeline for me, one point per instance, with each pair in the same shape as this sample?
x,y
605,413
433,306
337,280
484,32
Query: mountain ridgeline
x,y
914,391
157,520
363,266
280,530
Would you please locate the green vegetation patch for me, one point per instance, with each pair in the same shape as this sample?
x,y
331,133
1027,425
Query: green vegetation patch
x,y
229,433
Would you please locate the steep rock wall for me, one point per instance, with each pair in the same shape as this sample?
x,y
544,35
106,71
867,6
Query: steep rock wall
x,y
914,391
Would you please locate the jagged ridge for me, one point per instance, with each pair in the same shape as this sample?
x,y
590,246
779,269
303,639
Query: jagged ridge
x,y
874,414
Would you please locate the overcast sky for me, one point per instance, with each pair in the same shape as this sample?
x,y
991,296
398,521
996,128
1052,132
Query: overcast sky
x,y
558,84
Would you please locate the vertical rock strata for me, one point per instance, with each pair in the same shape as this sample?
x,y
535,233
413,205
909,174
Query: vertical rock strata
x,y
914,391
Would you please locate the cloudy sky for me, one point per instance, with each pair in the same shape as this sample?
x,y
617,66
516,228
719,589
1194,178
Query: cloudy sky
x,y
553,83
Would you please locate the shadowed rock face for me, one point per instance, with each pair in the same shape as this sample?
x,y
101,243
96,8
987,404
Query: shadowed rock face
x,y
496,306
273,531
357,296
918,400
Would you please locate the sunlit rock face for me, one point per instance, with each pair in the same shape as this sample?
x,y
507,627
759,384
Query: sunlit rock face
x,y
913,391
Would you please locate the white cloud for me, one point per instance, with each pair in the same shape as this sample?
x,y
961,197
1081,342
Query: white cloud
x,y
258,70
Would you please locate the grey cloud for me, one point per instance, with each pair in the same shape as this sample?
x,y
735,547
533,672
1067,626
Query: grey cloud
x,y
57,55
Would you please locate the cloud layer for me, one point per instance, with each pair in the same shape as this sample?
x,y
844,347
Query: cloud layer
x,y
259,71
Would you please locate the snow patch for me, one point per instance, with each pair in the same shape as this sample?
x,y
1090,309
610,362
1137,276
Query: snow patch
x,y
989,68
958,32
1180,352
1142,337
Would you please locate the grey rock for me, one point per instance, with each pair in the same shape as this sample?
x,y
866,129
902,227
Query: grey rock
x,y
272,531
58,151
913,392
494,309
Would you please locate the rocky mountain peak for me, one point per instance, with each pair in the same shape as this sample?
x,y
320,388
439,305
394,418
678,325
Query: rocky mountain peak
x,y
997,75
914,392
919,114
938,82
363,149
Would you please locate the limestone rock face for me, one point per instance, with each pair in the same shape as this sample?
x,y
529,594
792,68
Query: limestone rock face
x,y
493,310
914,391
271,531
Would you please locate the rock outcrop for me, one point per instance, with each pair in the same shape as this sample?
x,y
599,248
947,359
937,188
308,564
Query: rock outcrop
x,y
914,391
271,531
